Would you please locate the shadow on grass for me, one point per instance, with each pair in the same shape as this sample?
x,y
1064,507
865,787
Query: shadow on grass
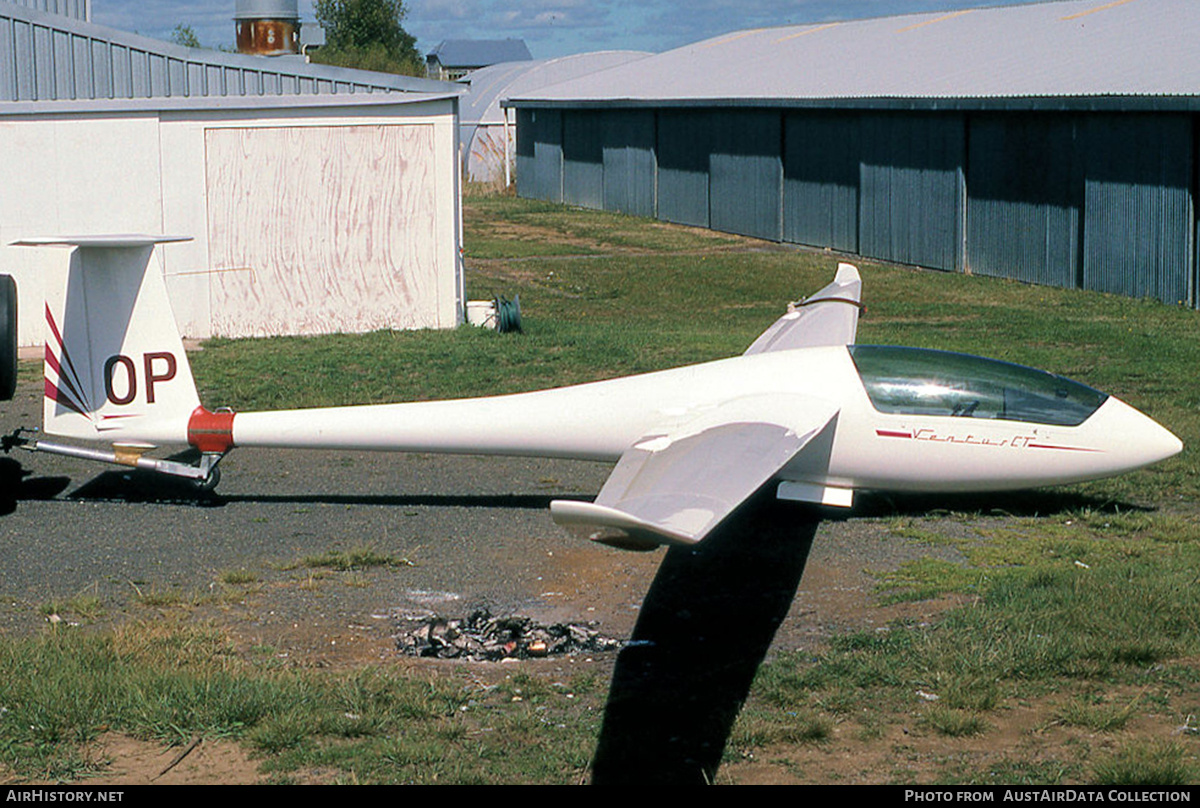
x,y
704,627
1034,502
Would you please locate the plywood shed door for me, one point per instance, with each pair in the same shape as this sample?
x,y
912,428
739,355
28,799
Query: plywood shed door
x,y
320,229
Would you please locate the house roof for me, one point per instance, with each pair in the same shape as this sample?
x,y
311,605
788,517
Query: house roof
x,y
479,52
1071,53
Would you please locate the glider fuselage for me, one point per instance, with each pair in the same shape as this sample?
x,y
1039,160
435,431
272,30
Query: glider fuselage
x,y
862,448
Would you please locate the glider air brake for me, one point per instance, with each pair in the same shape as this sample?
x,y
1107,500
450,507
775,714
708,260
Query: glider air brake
x,y
804,409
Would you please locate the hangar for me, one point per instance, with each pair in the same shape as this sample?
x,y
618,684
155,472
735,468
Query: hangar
x,y
1051,142
487,133
320,199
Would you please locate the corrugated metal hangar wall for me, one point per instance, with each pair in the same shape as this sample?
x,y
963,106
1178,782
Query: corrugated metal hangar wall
x,y
1096,200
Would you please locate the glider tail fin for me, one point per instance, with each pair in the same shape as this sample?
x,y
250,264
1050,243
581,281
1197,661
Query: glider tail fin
x,y
115,368
828,317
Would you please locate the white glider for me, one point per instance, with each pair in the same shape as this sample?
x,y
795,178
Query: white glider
x,y
804,409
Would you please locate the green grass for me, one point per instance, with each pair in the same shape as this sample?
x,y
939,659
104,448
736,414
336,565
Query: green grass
x,y
237,577
87,607
1096,714
1073,543
954,723
505,227
1030,633
1147,764
757,728
174,683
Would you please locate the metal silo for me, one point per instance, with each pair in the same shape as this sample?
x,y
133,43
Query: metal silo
x,y
267,27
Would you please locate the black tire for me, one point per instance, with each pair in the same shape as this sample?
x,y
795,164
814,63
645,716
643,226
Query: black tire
x,y
8,337
209,483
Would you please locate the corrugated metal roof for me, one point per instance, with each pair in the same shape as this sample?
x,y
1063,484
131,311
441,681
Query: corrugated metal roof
x,y
179,104
49,57
1050,50
77,9
491,84
477,52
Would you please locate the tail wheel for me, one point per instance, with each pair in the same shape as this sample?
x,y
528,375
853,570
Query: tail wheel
x,y
209,483
8,337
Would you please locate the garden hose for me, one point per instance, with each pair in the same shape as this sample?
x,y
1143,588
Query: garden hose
x,y
508,314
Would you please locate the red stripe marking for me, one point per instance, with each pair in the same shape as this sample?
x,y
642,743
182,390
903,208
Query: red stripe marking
x,y
63,380
71,381
53,326
884,433
59,397
52,360
1061,448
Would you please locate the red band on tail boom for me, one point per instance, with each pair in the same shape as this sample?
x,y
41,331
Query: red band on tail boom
x,y
211,431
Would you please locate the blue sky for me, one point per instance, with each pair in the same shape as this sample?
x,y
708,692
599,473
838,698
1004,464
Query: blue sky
x,y
549,27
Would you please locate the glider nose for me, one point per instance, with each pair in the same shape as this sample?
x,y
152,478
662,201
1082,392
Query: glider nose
x,y
1135,437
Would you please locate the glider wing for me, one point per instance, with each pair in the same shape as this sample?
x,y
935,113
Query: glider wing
x,y
675,487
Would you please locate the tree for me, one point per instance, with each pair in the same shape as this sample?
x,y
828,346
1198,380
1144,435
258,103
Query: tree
x,y
185,35
367,34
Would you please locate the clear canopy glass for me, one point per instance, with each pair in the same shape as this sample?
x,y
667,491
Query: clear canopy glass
x,y
916,381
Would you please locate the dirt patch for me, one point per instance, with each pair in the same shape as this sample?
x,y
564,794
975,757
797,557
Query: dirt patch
x,y
125,761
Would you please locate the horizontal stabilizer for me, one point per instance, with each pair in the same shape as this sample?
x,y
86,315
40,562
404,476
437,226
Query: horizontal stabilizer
x,y
105,240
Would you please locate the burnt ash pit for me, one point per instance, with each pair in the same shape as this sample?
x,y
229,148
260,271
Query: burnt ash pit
x,y
484,637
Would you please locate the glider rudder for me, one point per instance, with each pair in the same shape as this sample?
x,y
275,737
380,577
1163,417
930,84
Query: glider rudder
x,y
115,369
